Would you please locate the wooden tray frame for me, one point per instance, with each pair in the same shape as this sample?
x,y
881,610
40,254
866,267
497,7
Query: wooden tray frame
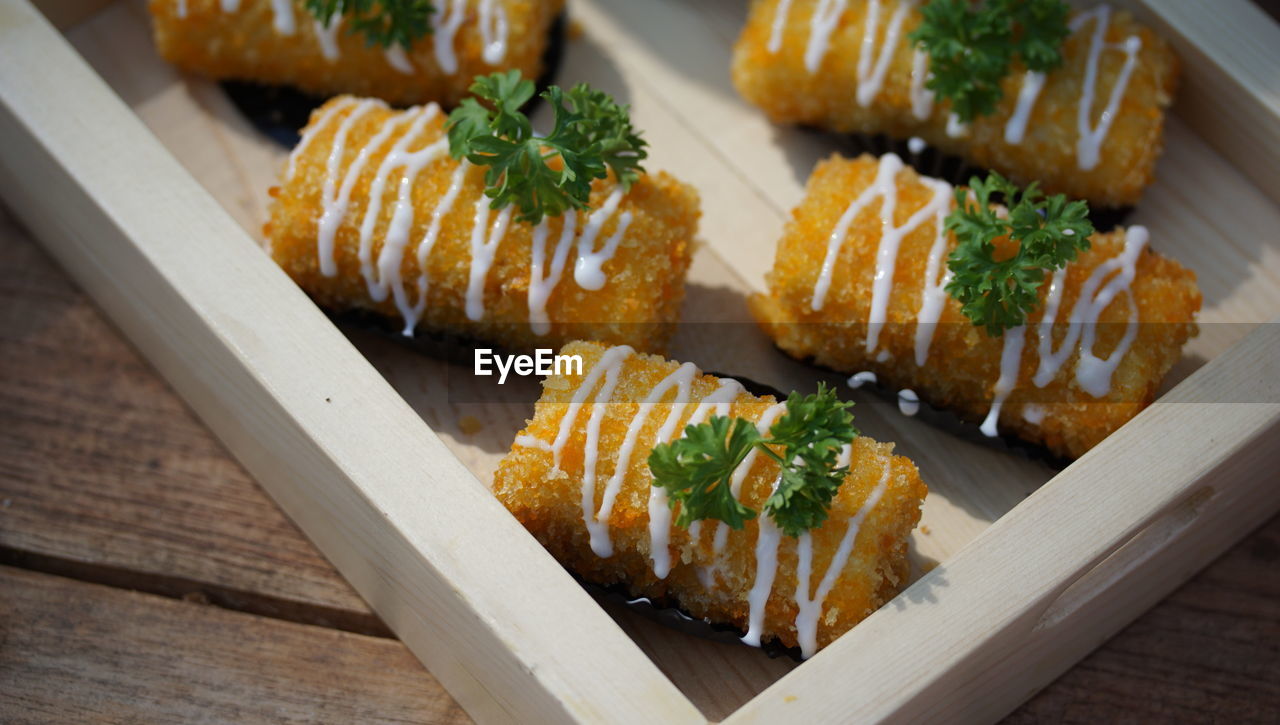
x,y
490,613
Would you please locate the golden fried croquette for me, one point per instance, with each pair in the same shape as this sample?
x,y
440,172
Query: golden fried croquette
x,y
371,200
1070,413
635,545
885,93
282,43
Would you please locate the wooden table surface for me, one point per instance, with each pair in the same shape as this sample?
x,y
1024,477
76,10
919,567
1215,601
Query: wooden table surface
x,y
144,577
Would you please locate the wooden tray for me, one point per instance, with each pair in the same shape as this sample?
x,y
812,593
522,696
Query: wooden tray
x,y
1019,572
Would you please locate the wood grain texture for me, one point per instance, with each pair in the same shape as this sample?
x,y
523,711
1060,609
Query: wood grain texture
x,y
1208,653
141,493
76,652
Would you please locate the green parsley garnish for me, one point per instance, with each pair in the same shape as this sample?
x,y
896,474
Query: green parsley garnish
x,y
805,441
381,22
971,46
1050,232
592,135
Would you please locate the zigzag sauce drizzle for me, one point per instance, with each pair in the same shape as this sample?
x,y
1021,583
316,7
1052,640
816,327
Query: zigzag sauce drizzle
x,y
491,21
383,276
603,379
811,608
1093,374
874,60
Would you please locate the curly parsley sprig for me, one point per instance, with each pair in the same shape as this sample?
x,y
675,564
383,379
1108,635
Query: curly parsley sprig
x,y
972,45
805,441
591,135
1050,232
382,22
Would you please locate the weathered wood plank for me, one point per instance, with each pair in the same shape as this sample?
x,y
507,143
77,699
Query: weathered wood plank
x,y
75,652
1208,653
104,474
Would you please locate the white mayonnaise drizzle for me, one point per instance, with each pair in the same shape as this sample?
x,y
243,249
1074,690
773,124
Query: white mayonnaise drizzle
x,y
528,441
383,275
862,378
885,188
767,419
281,13
334,201
429,240
492,22
542,283
1089,143
445,22
484,244
768,536
1033,413
609,362
606,374
312,130
588,271
937,275
1093,374
282,17
779,22
1050,360
493,31
659,511
908,402
1010,363
717,402
1016,128
921,96
821,25
327,37
871,75
874,60
598,522
810,608
398,59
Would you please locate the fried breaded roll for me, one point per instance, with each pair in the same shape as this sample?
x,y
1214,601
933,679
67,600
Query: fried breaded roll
x,y
373,214
1091,129
858,286
578,479
280,42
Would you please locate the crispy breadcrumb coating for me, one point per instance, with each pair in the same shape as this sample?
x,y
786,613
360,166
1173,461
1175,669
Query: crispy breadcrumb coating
x,y
548,501
638,304
244,44
963,362
781,85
